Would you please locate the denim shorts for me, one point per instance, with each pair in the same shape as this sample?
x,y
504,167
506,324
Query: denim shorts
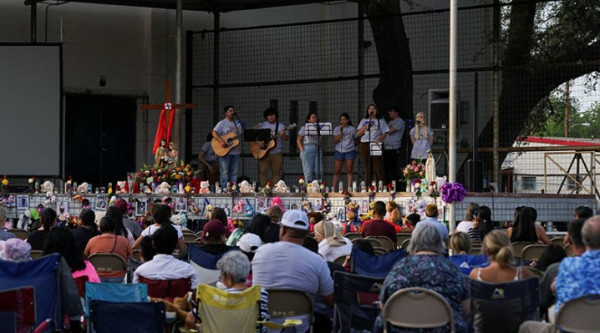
x,y
344,156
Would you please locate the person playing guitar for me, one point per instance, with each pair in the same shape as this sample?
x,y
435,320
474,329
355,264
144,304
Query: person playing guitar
x,y
273,159
227,132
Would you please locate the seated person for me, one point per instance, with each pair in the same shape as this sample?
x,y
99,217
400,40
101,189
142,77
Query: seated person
x,y
87,230
214,238
61,241
161,215
460,244
108,242
377,226
164,266
331,243
234,267
496,245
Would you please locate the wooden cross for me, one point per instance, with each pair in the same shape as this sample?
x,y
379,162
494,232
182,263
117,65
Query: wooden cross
x,y
168,111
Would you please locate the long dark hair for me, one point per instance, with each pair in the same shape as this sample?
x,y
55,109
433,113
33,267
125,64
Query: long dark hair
x,y
484,217
377,115
61,240
258,225
347,116
48,218
115,213
310,113
524,225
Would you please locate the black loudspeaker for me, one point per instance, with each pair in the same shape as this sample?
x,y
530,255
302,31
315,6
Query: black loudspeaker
x,y
439,108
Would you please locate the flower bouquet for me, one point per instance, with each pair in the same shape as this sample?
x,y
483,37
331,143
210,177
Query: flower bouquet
x,y
414,170
301,184
453,192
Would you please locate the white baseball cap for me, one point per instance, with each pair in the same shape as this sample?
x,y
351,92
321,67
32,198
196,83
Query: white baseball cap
x,y
296,219
249,243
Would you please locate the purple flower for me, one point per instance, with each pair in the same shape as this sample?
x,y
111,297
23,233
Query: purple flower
x,y
453,192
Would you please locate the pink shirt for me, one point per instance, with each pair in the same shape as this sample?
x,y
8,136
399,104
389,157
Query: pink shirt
x,y
89,271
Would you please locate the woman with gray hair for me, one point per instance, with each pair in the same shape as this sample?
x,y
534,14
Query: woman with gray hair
x,y
427,267
235,267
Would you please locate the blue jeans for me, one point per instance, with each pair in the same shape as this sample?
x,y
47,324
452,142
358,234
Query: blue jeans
x,y
310,161
228,165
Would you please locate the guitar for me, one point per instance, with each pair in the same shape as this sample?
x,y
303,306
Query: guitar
x,y
260,152
232,140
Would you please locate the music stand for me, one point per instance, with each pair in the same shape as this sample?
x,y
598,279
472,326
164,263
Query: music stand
x,y
318,129
257,135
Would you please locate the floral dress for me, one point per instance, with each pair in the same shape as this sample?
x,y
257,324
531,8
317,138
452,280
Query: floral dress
x,y
433,272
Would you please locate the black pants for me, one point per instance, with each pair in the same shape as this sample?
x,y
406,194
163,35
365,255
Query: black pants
x,y
390,165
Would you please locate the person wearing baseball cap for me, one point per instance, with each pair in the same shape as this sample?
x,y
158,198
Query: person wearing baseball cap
x,y
214,238
288,265
130,224
248,244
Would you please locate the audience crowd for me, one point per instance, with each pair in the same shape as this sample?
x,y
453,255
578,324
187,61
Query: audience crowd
x,y
289,250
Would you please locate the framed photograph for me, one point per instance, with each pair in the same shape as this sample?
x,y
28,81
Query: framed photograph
x,y
62,207
181,205
293,205
22,201
140,208
101,202
261,204
341,214
364,206
317,204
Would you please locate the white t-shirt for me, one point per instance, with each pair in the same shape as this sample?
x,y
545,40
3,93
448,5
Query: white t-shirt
x,y
378,127
166,267
226,126
330,253
286,265
152,229
464,226
279,143
346,144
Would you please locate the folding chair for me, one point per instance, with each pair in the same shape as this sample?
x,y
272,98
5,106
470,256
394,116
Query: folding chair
x,y
167,289
114,317
17,310
285,303
80,283
189,237
518,248
44,275
114,292
386,243
579,315
502,307
108,263
19,233
340,260
404,244
374,242
467,262
560,241
355,302
532,252
205,264
417,307
36,254
353,235
375,266
225,312
403,236
380,250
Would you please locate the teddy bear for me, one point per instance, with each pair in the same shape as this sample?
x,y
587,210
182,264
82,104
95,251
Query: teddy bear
x,y
121,187
353,224
47,186
314,187
314,218
204,186
83,188
281,187
163,188
246,187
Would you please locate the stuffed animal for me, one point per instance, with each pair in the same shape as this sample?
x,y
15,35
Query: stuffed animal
x,y
163,188
281,187
239,207
276,201
314,218
314,187
195,184
204,186
47,186
83,188
208,211
306,207
180,219
246,187
352,216
121,187
369,214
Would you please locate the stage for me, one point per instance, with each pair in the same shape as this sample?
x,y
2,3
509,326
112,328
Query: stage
x,y
550,207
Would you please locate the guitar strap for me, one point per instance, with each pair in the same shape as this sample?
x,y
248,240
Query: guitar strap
x,y
277,128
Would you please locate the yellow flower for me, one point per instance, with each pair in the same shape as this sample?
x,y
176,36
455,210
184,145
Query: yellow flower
x,y
5,182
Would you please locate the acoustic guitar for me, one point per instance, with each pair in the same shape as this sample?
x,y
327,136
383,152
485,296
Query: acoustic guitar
x,y
232,140
260,152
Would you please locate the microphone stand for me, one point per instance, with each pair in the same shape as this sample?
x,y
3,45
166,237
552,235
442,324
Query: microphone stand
x,y
318,166
369,158
241,138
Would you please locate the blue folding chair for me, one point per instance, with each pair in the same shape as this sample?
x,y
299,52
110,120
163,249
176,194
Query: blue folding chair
x,y
115,317
355,302
114,292
205,264
502,307
375,266
44,276
466,262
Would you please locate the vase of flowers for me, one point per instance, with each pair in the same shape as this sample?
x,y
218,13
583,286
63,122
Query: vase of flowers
x,y
412,171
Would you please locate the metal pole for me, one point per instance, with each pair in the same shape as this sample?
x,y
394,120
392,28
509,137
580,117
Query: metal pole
x,y
361,60
33,21
178,71
496,95
567,110
452,101
217,27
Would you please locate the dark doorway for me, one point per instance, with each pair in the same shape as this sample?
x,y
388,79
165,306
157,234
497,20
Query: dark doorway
x,y
99,138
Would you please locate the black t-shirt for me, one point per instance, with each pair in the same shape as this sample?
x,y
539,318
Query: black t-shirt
x,y
82,236
37,239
